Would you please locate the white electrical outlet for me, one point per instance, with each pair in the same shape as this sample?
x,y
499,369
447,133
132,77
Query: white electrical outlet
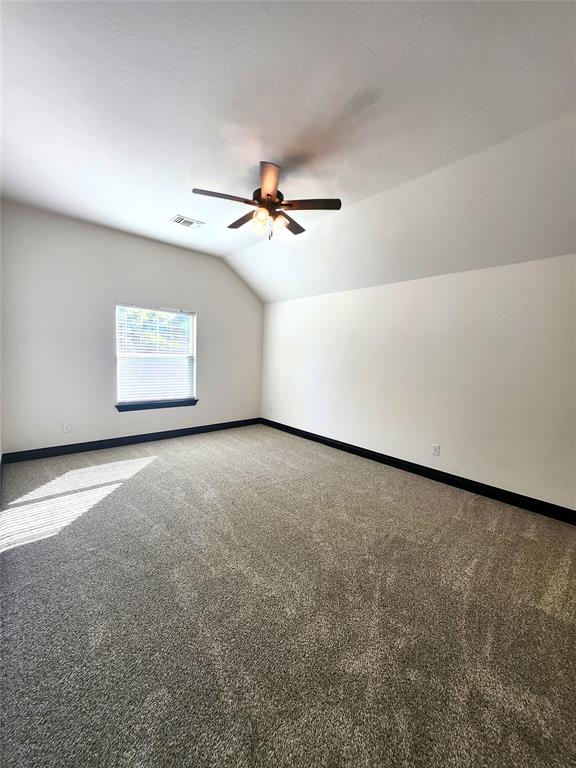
x,y
435,449
67,426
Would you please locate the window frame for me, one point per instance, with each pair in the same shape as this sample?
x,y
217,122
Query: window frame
x,y
144,405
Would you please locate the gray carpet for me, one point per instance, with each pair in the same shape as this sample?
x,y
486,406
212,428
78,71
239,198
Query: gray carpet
x,y
249,598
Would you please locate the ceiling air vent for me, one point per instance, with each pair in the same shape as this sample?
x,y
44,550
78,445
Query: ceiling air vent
x,y
186,222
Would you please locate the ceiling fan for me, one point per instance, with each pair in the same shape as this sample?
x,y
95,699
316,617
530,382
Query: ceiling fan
x,y
271,214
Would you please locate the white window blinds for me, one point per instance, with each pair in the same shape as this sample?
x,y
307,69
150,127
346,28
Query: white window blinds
x,y
156,356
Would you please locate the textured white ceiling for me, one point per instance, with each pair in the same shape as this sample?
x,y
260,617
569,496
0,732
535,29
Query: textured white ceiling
x,y
512,202
112,112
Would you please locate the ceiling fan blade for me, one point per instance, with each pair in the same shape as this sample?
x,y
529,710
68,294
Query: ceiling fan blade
x,y
224,197
292,225
269,176
241,221
333,204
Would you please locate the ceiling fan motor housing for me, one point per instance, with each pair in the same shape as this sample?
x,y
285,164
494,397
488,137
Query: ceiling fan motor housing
x,y
257,195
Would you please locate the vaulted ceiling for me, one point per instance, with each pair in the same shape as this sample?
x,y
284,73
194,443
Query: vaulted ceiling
x,y
444,128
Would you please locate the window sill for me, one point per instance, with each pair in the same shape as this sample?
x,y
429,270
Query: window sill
x,y
147,404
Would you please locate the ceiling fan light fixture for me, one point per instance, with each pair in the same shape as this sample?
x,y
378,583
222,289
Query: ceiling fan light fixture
x,y
261,215
279,224
260,220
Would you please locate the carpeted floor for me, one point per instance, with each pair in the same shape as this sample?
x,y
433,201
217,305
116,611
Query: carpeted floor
x,y
249,598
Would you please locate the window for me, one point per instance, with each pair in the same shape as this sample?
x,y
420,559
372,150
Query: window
x,y
156,358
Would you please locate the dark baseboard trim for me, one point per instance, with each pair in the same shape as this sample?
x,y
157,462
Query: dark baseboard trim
x,y
114,442
565,514
546,508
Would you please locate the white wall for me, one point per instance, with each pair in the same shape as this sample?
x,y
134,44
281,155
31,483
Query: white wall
x,y
1,360
481,362
61,280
